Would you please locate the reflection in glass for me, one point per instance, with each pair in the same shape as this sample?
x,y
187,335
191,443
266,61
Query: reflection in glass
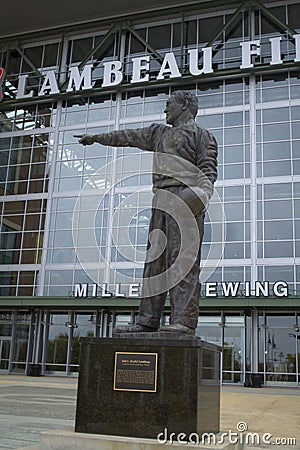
x,y
233,349
57,342
5,345
281,354
20,347
83,326
209,328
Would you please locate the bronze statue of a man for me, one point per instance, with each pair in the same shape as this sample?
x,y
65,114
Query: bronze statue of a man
x,y
190,179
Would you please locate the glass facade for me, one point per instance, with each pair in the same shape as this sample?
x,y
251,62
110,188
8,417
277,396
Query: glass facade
x,y
279,348
71,215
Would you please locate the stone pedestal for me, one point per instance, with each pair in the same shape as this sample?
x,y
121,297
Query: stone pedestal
x,y
184,398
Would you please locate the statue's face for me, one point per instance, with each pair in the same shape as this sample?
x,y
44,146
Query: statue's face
x,y
173,110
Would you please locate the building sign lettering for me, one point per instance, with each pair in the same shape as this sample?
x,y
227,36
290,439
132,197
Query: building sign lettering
x,y
113,71
210,289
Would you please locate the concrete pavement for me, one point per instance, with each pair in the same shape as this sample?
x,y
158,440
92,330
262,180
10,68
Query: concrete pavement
x,y
266,410
30,405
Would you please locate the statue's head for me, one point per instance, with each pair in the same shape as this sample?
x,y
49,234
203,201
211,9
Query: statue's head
x,y
181,103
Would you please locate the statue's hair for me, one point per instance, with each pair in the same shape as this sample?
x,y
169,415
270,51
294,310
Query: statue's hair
x,y
189,98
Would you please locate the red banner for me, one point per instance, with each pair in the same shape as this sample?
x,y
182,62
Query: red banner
x,y
2,73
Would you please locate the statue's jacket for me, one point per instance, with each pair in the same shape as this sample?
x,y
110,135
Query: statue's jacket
x,y
184,155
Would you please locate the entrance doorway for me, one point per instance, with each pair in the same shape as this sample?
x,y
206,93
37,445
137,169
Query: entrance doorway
x,y
5,344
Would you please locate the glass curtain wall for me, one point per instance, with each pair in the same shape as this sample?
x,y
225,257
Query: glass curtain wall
x,y
278,146
124,203
260,243
25,155
255,121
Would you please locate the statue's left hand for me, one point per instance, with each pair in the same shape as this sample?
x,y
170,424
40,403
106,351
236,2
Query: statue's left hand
x,y
192,200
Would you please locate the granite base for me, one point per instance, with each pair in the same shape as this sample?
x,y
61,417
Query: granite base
x,y
187,398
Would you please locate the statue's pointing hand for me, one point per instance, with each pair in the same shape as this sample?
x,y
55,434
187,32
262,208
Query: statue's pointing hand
x,y
85,139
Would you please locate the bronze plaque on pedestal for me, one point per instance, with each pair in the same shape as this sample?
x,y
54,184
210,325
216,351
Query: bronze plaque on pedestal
x,y
135,372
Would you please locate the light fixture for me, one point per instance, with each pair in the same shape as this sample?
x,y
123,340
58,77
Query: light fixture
x,y
71,325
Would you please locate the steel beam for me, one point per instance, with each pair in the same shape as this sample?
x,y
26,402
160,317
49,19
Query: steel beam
x,y
282,26
225,27
228,23
113,28
148,46
29,62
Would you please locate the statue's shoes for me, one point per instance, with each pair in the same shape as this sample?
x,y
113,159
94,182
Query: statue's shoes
x,y
177,328
136,328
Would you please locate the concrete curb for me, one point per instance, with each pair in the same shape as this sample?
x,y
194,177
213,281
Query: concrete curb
x,y
69,440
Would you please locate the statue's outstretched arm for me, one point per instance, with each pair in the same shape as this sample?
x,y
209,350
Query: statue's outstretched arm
x,y
143,138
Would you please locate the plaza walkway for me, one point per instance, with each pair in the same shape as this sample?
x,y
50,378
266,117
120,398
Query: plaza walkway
x,y
30,405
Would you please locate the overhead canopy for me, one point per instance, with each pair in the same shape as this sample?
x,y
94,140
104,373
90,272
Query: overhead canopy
x,y
34,15
22,17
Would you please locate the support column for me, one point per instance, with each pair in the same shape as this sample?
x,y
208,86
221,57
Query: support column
x,y
254,340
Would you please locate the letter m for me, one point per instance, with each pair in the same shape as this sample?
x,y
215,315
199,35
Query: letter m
x,y
208,438
76,80
81,290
